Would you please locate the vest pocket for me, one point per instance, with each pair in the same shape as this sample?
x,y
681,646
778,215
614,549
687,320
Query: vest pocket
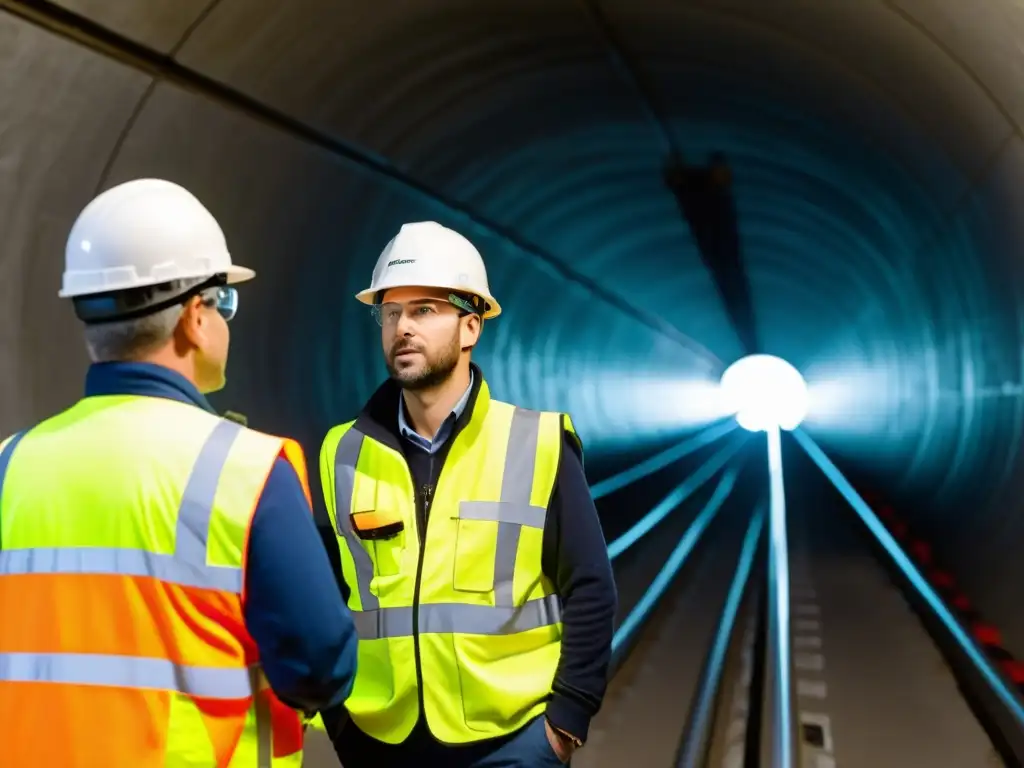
x,y
475,546
505,679
487,542
388,555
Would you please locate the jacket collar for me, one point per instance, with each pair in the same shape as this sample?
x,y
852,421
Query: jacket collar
x,y
379,418
144,379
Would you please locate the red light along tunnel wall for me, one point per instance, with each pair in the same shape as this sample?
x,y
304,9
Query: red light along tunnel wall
x,y
942,580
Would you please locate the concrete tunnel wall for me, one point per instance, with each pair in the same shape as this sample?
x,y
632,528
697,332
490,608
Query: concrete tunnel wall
x,y
878,162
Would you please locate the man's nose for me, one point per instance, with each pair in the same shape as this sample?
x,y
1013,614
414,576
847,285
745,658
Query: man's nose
x,y
404,326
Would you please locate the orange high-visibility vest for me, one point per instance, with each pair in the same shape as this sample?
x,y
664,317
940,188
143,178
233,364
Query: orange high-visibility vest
x,y
124,524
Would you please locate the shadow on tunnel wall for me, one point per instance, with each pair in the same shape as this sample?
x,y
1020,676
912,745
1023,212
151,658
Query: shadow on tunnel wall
x,y
878,167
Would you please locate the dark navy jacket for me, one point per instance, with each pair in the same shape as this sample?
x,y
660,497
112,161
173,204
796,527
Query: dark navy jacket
x,y
574,557
304,633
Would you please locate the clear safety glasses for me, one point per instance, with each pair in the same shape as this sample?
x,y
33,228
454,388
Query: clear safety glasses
x,y
420,309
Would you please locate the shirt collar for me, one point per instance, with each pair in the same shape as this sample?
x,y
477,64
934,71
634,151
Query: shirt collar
x,y
409,433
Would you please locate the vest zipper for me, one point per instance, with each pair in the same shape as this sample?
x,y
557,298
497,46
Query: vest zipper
x,y
423,498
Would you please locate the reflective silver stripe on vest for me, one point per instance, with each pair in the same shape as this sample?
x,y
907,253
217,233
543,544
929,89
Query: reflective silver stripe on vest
x,y
488,620
383,622
125,672
459,618
146,674
502,512
345,462
514,510
187,566
194,516
121,562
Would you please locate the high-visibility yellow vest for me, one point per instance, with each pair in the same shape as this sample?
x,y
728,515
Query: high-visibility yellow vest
x,y
123,531
486,619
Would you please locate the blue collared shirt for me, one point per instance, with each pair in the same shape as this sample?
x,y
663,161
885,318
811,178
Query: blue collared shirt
x,y
433,445
304,632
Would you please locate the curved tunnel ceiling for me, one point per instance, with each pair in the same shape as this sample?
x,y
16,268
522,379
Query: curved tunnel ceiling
x,y
877,159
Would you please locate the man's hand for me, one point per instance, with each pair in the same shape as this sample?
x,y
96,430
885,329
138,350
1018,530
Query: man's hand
x,y
562,745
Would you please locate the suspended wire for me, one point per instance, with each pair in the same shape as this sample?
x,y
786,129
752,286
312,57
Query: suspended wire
x,y
633,76
661,460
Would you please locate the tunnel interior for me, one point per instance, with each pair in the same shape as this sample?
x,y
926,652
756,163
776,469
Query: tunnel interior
x,y
876,157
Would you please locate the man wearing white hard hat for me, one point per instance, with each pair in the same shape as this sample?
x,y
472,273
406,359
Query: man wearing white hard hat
x,y
154,557
465,540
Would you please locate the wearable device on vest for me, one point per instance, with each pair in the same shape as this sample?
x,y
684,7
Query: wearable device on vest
x,y
238,418
375,525
132,304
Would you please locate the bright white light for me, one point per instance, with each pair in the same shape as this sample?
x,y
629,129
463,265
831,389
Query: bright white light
x,y
765,392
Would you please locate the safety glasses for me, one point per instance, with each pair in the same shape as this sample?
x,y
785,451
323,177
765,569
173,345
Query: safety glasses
x,y
388,314
224,299
127,305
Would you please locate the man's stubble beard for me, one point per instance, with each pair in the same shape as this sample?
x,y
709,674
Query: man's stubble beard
x,y
435,373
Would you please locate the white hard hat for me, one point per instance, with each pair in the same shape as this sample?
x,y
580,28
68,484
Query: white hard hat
x,y
144,232
426,254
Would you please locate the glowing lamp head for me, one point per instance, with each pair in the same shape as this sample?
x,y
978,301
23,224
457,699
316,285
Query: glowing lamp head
x,y
765,392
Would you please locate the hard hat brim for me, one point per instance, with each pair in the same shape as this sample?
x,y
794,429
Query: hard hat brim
x,y
234,273
369,295
237,274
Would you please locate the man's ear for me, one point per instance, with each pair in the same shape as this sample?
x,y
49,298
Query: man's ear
x,y
191,330
469,331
